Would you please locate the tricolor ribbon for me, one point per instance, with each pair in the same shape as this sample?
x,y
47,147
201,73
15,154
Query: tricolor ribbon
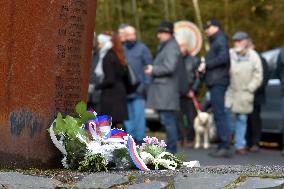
x,y
134,155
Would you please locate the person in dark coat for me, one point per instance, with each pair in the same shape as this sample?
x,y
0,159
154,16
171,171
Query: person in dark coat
x,y
111,72
254,120
138,56
93,95
188,111
280,73
163,94
216,68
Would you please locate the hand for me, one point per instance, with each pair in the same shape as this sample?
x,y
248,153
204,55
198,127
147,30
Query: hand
x,y
202,68
91,88
148,70
190,94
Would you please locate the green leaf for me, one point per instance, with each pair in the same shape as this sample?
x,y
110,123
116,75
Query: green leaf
x,y
93,163
72,127
81,107
70,121
60,125
154,150
75,152
86,116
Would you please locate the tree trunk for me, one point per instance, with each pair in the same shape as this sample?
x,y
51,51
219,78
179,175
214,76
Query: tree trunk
x,y
166,8
226,12
136,18
200,24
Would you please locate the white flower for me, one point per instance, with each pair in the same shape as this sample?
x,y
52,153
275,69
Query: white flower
x,y
169,164
106,150
147,157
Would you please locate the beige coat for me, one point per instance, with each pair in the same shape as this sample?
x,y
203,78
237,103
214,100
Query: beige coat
x,y
245,77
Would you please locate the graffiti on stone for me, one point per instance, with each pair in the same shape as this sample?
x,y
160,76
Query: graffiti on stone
x,y
25,120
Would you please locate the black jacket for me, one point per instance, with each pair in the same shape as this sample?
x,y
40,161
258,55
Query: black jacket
x,y
280,69
218,60
260,96
113,100
189,81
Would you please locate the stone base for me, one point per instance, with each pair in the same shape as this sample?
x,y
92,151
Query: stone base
x,y
10,161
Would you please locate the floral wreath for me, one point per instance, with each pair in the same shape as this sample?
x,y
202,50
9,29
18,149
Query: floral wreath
x,y
89,144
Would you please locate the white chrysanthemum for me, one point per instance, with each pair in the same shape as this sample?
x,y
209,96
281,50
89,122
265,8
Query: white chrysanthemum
x,y
106,150
169,164
147,157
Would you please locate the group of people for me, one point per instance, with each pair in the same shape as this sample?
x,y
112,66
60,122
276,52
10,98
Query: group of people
x,y
235,79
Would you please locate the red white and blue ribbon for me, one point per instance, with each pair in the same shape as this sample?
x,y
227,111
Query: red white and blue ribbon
x,y
134,155
116,135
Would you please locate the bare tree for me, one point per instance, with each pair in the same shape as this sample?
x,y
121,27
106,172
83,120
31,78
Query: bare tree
x,y
136,18
166,8
199,21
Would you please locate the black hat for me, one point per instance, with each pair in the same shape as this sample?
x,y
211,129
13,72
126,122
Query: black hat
x,y
212,22
166,26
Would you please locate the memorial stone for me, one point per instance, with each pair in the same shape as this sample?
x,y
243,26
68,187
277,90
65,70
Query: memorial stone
x,y
45,59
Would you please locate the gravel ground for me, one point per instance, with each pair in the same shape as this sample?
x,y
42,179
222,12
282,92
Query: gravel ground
x,y
68,176
157,178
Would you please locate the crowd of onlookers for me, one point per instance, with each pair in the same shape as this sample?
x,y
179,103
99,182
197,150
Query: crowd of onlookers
x,y
235,78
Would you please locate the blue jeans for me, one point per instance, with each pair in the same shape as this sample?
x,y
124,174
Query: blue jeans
x,y
168,120
217,94
229,117
136,123
240,125
283,121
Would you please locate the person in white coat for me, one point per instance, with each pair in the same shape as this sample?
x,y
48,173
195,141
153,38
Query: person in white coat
x,y
245,78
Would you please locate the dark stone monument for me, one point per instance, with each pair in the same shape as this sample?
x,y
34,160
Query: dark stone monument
x,y
45,59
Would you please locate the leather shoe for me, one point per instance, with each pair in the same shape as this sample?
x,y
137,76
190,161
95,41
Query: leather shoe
x,y
241,151
254,149
221,152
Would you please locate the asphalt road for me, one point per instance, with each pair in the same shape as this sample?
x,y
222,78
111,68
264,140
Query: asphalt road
x,y
265,157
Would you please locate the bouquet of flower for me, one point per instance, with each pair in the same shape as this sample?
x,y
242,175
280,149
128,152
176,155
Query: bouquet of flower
x,y
89,144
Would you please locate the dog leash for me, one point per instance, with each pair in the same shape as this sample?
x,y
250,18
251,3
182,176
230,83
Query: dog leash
x,y
196,104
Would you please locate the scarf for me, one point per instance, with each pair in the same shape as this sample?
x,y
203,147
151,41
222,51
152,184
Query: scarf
x,y
107,45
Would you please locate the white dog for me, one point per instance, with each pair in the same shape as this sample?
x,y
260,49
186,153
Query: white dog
x,y
202,123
